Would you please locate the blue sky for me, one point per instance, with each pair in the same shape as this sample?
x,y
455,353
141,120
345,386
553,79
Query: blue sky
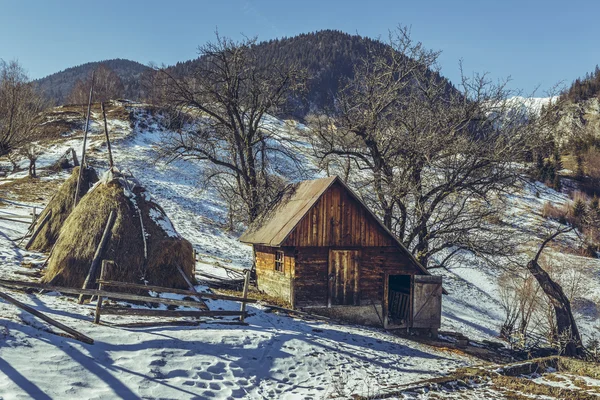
x,y
537,43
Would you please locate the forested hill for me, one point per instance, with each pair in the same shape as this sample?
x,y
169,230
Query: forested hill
x,y
58,86
329,57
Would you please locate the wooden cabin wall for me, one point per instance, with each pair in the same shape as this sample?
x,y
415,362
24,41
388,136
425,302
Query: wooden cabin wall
x,y
270,281
312,266
375,262
338,220
311,277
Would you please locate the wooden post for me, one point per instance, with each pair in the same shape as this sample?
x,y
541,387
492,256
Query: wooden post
x,y
38,229
49,320
245,295
110,157
103,270
85,132
97,256
34,215
74,157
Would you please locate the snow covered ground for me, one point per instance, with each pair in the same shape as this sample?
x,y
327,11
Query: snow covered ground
x,y
273,357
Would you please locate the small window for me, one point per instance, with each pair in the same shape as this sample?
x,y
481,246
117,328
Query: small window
x,y
279,261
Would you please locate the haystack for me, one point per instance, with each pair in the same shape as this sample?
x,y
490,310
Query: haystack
x,y
143,244
60,206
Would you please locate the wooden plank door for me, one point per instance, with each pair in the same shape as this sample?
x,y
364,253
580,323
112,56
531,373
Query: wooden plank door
x,y
343,277
427,301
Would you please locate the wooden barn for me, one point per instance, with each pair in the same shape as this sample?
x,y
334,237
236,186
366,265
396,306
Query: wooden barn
x,y
321,249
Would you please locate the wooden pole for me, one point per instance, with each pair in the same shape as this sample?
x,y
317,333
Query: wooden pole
x,y
85,133
34,215
110,157
49,320
245,295
103,269
97,256
38,229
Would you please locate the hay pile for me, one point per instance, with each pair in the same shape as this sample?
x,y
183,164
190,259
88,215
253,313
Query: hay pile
x,y
61,205
81,233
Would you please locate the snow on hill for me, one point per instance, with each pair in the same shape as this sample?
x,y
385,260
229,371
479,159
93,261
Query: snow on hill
x,y
274,356
534,104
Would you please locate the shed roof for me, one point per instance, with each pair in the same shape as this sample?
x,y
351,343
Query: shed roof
x,y
274,225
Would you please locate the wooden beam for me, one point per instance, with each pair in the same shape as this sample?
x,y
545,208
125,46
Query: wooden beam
x,y
96,292
38,229
167,313
79,336
161,289
98,255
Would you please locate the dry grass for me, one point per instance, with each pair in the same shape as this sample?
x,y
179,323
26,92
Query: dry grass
x,y
61,206
81,233
28,189
557,213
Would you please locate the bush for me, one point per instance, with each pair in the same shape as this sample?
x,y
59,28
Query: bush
x,y
557,213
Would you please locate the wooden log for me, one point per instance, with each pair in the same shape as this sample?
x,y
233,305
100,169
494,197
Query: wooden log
x,y
167,313
38,229
85,134
161,289
103,270
110,157
96,292
98,255
76,335
245,295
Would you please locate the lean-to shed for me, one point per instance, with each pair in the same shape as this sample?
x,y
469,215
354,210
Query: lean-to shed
x,y
319,247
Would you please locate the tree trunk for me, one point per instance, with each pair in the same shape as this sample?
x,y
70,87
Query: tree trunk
x,y
32,173
565,323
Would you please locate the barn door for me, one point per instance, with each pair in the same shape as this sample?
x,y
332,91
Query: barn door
x,y
343,277
427,301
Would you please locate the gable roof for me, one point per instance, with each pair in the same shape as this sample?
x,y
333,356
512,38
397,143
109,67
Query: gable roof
x,y
278,221
274,225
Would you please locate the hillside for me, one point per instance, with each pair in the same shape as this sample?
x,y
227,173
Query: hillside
x,y
58,85
275,356
328,56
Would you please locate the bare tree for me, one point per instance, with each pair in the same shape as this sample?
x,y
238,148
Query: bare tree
x,y
430,158
566,327
107,86
32,152
231,91
20,105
